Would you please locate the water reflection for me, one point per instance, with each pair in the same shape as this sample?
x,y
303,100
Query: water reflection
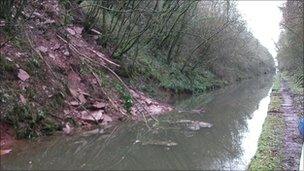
x,y
236,113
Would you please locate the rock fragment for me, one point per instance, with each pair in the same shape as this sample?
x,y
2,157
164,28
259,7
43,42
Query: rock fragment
x,y
23,75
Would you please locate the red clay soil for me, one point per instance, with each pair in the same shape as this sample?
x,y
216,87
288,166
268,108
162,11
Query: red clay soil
x,y
293,142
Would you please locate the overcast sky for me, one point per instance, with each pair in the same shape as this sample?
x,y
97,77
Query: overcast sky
x,y
263,18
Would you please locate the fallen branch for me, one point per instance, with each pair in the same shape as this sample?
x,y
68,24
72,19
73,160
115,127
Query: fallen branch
x,y
104,58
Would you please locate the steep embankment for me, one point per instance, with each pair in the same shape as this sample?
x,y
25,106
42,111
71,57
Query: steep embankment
x,y
53,77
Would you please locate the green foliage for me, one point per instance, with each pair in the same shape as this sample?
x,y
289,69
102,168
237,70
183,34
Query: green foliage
x,y
6,66
32,119
148,73
35,68
29,122
127,98
290,46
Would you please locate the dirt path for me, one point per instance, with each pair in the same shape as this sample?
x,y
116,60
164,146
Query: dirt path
x,y
292,143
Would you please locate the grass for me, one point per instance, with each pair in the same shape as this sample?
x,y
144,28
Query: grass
x,y
270,154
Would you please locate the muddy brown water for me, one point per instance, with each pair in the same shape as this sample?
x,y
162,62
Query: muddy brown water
x,y
236,112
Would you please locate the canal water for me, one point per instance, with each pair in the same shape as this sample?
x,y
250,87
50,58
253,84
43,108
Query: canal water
x,y
236,113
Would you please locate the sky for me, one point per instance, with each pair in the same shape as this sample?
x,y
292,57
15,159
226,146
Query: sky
x,y
263,19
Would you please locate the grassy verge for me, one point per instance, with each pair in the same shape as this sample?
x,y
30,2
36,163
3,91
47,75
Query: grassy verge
x,y
269,155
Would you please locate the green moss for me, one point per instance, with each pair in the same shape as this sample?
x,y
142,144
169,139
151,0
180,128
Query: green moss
x,y
31,93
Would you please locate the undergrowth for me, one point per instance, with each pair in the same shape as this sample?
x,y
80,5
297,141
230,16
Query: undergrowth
x,y
151,74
